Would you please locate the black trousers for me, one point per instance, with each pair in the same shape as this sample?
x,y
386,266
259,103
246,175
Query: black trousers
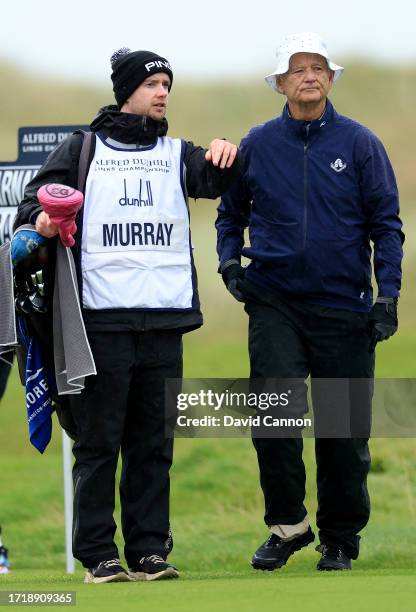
x,y
289,339
123,409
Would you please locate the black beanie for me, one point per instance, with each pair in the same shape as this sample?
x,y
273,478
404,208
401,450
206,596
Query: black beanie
x,y
131,68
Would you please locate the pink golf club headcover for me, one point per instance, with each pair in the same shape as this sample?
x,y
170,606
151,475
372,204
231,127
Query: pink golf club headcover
x,y
61,203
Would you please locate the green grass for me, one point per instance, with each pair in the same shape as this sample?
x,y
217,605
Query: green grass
x,y
297,592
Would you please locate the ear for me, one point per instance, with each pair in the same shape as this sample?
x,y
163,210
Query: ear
x,y
331,77
280,84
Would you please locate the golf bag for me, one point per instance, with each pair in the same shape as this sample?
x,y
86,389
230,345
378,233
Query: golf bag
x,y
33,284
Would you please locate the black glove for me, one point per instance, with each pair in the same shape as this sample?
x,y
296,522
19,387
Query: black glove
x,y
382,320
232,273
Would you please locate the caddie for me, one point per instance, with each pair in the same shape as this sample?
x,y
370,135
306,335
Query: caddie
x,y
139,295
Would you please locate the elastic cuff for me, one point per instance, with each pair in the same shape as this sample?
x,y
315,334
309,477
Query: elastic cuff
x,y
229,263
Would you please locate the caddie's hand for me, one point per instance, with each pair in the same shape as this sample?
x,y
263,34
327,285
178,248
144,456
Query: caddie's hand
x,y
44,226
221,153
382,320
232,274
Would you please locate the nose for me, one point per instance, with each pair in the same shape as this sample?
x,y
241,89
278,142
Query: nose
x,y
310,75
162,91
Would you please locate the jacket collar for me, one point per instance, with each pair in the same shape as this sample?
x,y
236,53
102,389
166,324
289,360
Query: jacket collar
x,y
300,127
128,128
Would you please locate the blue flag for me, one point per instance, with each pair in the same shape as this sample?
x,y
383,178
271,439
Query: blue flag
x,y
38,398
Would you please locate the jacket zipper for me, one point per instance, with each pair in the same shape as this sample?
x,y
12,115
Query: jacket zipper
x,y
305,187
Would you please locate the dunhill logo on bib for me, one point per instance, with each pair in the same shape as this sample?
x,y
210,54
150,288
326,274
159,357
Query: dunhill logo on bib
x,y
145,197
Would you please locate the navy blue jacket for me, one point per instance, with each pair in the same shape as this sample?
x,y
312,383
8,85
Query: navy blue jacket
x,y
313,196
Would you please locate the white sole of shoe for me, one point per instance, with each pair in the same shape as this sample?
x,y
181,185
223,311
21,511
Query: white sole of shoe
x,y
170,572
120,577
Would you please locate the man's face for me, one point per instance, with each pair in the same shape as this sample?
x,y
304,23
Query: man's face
x,y
308,79
150,98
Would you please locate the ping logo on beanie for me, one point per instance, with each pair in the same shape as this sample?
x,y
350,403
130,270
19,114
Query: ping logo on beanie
x,y
131,68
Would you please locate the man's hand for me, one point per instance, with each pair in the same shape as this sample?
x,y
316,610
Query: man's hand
x,y
221,153
232,273
44,226
382,320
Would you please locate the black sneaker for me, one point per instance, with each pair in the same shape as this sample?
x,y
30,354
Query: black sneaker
x,y
333,558
275,552
153,568
107,571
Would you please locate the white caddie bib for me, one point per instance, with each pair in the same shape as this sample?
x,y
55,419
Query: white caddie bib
x,y
135,235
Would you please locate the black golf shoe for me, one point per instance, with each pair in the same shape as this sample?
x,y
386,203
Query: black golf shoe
x,y
107,571
153,568
333,558
275,552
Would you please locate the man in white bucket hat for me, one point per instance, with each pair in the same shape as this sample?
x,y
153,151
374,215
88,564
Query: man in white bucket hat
x,y
306,42
316,188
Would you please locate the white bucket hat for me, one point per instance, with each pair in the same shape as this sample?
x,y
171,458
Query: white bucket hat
x,y
304,42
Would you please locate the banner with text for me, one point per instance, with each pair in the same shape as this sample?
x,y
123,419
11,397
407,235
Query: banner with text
x,y
34,146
